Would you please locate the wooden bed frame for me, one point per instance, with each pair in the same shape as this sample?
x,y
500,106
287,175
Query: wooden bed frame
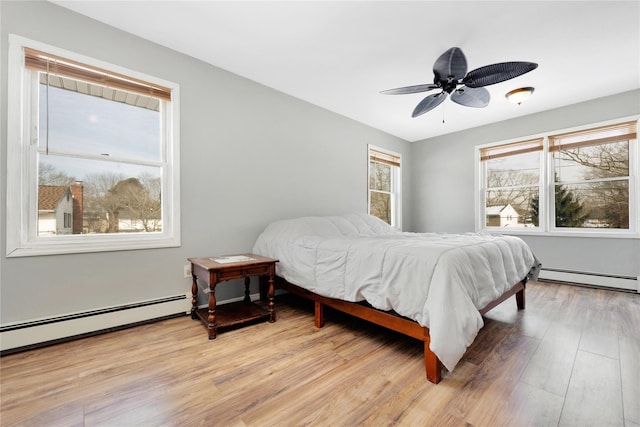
x,y
393,321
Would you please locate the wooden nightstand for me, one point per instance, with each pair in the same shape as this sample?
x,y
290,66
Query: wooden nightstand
x,y
216,269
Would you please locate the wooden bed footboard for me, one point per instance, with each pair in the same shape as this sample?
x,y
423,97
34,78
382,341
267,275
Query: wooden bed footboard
x,y
393,321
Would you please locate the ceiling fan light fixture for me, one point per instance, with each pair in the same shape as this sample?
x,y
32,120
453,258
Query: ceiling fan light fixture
x,y
518,96
466,88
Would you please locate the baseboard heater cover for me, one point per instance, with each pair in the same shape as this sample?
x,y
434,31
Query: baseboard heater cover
x,y
27,334
629,283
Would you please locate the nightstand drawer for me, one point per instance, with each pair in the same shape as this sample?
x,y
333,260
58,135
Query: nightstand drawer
x,y
240,272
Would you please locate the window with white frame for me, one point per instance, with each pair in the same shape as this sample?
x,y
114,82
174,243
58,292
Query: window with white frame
x,y
592,177
104,135
384,185
511,183
583,180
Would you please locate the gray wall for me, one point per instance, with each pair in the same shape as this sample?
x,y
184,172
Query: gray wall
x,y
443,182
249,155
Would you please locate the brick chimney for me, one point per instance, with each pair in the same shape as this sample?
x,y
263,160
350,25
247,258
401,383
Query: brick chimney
x,y
77,190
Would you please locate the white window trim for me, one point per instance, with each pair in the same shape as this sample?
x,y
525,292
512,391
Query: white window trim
x,y
546,227
396,191
20,178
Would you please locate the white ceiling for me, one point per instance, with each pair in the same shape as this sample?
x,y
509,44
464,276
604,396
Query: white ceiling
x,y
340,54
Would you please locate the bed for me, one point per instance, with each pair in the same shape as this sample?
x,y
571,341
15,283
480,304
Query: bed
x,y
430,286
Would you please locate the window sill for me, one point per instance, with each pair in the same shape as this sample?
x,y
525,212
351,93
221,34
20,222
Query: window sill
x,y
581,234
74,246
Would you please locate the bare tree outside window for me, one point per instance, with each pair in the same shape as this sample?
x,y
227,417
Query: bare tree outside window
x,y
380,191
113,203
598,175
511,182
384,185
49,175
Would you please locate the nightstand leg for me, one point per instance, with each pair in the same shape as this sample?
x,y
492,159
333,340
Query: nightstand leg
x,y
247,298
272,312
194,295
211,319
264,287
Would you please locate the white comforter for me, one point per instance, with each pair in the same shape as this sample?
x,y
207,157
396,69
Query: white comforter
x,y
438,280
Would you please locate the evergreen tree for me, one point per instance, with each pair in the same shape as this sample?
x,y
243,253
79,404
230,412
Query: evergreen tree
x,y
569,210
535,214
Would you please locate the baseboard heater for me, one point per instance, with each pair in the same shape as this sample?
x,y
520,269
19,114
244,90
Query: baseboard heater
x,y
628,283
18,336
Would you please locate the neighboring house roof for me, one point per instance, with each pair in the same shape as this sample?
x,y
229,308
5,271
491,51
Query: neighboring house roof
x,y
49,196
497,210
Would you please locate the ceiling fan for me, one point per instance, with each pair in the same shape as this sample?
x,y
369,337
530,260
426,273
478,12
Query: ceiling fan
x,y
451,77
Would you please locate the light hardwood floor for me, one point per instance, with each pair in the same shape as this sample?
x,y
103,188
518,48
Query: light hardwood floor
x,y
572,358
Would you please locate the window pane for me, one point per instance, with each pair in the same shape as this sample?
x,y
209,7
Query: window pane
x,y
592,162
379,176
517,207
87,124
593,205
521,169
381,206
106,197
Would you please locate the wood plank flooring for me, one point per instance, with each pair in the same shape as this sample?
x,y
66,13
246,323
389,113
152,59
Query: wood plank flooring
x,y
570,359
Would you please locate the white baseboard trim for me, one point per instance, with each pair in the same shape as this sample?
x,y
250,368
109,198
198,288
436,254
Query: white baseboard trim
x,y
25,334
594,279
20,335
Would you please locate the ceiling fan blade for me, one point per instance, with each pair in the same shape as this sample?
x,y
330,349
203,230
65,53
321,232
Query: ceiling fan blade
x,y
451,64
429,103
496,73
477,97
410,89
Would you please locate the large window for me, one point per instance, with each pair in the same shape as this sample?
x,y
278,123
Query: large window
x,y
512,183
93,155
591,177
581,181
384,185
